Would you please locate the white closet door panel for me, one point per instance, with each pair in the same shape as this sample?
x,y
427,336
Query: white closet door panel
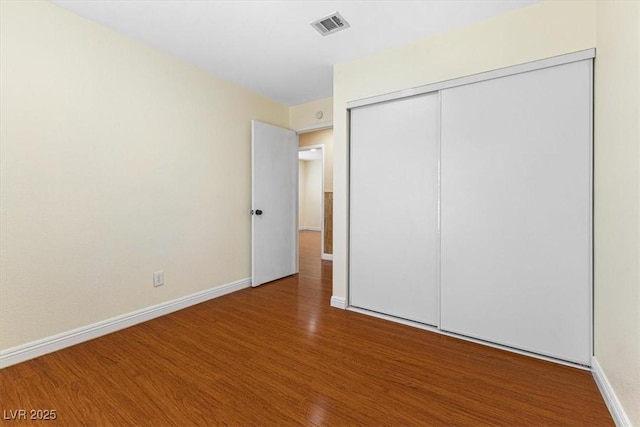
x,y
516,211
394,239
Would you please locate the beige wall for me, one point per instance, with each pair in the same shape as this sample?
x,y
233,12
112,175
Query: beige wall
x,y
310,182
116,161
321,137
617,200
302,117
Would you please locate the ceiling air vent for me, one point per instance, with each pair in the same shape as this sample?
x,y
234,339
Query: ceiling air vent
x,y
330,24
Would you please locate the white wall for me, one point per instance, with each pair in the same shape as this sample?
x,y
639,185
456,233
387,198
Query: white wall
x,y
617,200
116,161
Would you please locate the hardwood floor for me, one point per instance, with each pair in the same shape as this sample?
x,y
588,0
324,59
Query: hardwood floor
x,y
279,355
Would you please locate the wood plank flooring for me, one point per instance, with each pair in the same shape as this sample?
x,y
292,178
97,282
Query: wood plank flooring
x,y
279,355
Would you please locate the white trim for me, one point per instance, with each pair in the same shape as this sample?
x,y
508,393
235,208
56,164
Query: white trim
x,y
57,342
313,128
474,78
439,233
309,228
609,395
327,257
464,337
590,260
338,302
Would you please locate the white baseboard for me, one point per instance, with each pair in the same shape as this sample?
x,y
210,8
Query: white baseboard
x,y
309,228
57,342
338,302
609,395
327,257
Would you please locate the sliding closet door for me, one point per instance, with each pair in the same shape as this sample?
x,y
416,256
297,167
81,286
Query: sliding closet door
x,y
394,208
516,211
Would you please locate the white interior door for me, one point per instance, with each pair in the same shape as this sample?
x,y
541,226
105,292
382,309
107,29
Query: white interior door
x,y
394,240
274,204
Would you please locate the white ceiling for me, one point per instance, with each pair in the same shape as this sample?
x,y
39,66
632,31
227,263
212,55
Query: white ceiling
x,y
269,46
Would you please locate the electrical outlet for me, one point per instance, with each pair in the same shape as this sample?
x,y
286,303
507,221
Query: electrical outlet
x,y
158,278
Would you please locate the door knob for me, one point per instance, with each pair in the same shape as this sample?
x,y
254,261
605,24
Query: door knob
x,y
258,212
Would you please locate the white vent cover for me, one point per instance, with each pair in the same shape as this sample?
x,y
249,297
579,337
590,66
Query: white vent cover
x,y
330,24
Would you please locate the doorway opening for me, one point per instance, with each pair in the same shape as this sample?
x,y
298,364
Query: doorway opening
x,y
311,190
320,140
